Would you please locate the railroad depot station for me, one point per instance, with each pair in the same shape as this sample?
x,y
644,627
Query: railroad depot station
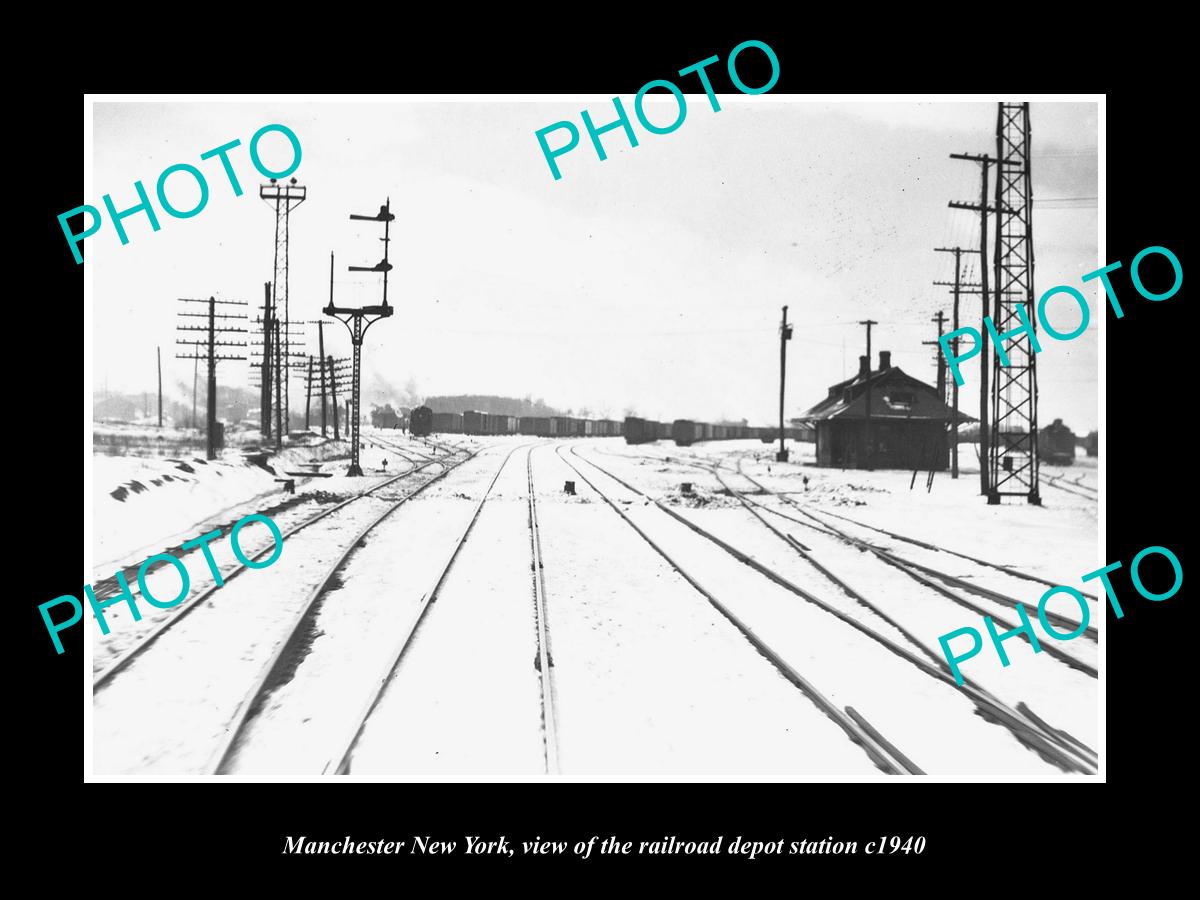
x,y
906,420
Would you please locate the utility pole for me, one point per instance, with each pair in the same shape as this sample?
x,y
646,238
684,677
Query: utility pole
x,y
338,375
939,360
785,335
308,394
321,359
867,420
333,388
275,365
195,377
209,353
983,209
354,322
278,379
266,370
212,380
958,252
159,387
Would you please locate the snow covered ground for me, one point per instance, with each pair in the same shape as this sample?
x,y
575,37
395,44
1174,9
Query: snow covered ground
x,y
1056,541
649,678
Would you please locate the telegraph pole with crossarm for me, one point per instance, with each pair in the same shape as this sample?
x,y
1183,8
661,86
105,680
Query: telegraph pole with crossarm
x,y
206,349
785,335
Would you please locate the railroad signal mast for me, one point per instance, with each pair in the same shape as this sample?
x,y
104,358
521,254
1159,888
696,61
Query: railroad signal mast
x,y
206,349
357,320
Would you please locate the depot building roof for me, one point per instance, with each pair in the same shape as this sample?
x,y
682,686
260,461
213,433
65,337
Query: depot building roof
x,y
894,395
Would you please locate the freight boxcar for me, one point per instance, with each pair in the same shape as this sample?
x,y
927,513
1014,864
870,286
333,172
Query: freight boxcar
x,y
504,424
538,426
640,431
685,432
447,423
474,422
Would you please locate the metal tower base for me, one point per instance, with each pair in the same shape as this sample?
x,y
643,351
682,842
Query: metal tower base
x,y
1034,498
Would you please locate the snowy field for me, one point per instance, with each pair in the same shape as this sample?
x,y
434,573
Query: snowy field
x,y
648,677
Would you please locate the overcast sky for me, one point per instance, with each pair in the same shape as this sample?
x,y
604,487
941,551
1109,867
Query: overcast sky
x,y
652,280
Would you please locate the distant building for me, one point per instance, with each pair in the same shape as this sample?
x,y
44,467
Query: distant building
x,y
1056,444
908,421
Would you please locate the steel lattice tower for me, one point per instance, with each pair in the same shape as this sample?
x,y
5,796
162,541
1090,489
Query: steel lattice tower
x,y
1013,448
284,199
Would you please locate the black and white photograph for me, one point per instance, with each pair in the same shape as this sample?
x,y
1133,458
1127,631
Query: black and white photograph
x,y
467,438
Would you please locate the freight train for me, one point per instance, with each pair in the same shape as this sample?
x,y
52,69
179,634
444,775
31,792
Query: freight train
x,y
424,421
420,421
1056,444
684,432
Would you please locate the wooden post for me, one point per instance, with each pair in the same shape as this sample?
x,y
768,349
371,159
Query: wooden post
x,y
160,387
308,394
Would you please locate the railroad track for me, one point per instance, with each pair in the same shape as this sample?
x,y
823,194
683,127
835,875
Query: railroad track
x,y
279,669
705,465
1079,490
264,682
340,759
921,574
910,567
544,662
932,578
105,677
407,453
881,752
107,586
1007,570
1053,745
